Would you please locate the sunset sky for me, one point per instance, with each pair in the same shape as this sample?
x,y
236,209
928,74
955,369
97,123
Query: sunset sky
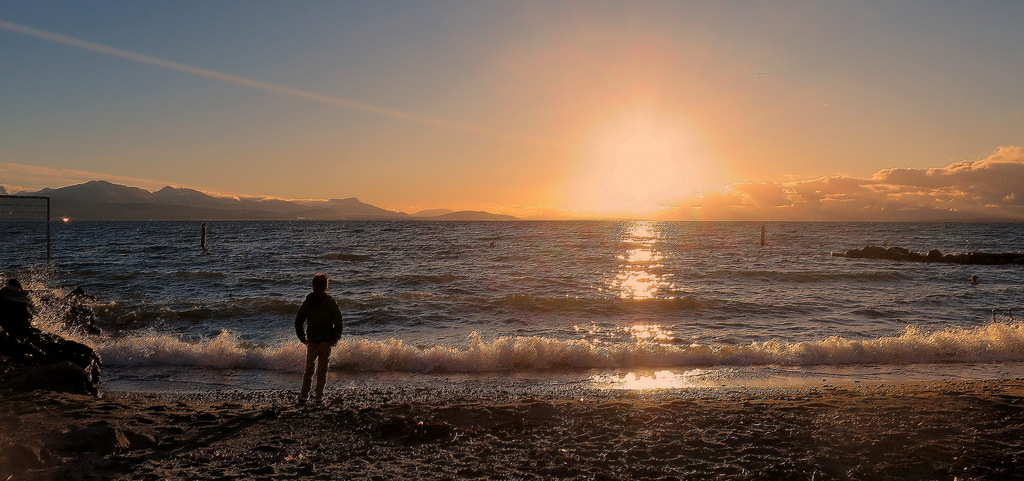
x,y
677,110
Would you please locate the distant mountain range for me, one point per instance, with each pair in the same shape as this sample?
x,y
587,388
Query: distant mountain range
x,y
102,200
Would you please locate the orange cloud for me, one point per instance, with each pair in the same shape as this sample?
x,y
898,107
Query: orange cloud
x,y
986,189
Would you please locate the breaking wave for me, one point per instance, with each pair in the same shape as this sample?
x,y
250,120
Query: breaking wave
x,y
996,342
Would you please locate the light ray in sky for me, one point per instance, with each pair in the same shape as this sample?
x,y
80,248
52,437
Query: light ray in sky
x,y
275,88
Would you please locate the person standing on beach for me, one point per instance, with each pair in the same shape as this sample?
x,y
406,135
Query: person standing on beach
x,y
318,325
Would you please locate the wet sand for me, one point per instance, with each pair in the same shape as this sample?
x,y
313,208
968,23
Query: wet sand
x,y
938,430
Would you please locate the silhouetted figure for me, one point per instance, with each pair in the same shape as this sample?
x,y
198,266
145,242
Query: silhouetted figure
x,y
974,280
202,242
318,325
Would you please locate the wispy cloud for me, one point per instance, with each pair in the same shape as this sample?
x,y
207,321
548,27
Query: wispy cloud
x,y
275,88
990,188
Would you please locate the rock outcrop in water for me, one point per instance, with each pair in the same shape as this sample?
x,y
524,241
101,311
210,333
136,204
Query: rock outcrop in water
x,y
47,362
31,359
934,255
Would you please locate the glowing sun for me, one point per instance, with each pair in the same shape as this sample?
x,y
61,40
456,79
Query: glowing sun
x,y
638,166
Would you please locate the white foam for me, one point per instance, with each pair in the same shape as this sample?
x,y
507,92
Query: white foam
x,y
223,351
993,342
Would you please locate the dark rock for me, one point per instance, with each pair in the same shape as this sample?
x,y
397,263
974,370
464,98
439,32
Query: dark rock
x,y
24,347
59,377
934,255
98,439
873,252
139,440
22,456
410,431
897,253
263,471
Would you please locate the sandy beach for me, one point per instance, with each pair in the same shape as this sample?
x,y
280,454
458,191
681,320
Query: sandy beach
x,y
939,430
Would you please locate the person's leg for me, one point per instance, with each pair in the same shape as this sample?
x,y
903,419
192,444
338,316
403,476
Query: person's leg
x,y
322,361
307,376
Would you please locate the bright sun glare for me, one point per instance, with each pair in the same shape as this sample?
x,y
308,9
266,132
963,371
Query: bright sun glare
x,y
638,166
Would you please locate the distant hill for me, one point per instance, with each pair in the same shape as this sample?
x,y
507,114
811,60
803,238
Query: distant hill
x,y
193,198
432,212
353,206
448,214
472,215
97,191
102,200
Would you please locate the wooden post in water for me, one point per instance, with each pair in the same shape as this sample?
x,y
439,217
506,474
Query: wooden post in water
x,y
762,235
202,243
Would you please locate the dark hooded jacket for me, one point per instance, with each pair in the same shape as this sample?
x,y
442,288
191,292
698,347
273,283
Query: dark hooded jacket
x,y
323,316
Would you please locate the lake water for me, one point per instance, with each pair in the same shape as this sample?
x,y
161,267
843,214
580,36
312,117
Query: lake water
x,y
596,300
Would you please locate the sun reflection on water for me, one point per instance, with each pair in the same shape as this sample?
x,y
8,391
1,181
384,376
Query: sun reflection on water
x,y
638,277
645,380
644,332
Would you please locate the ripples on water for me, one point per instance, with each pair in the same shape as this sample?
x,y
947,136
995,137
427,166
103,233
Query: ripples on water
x,y
427,285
